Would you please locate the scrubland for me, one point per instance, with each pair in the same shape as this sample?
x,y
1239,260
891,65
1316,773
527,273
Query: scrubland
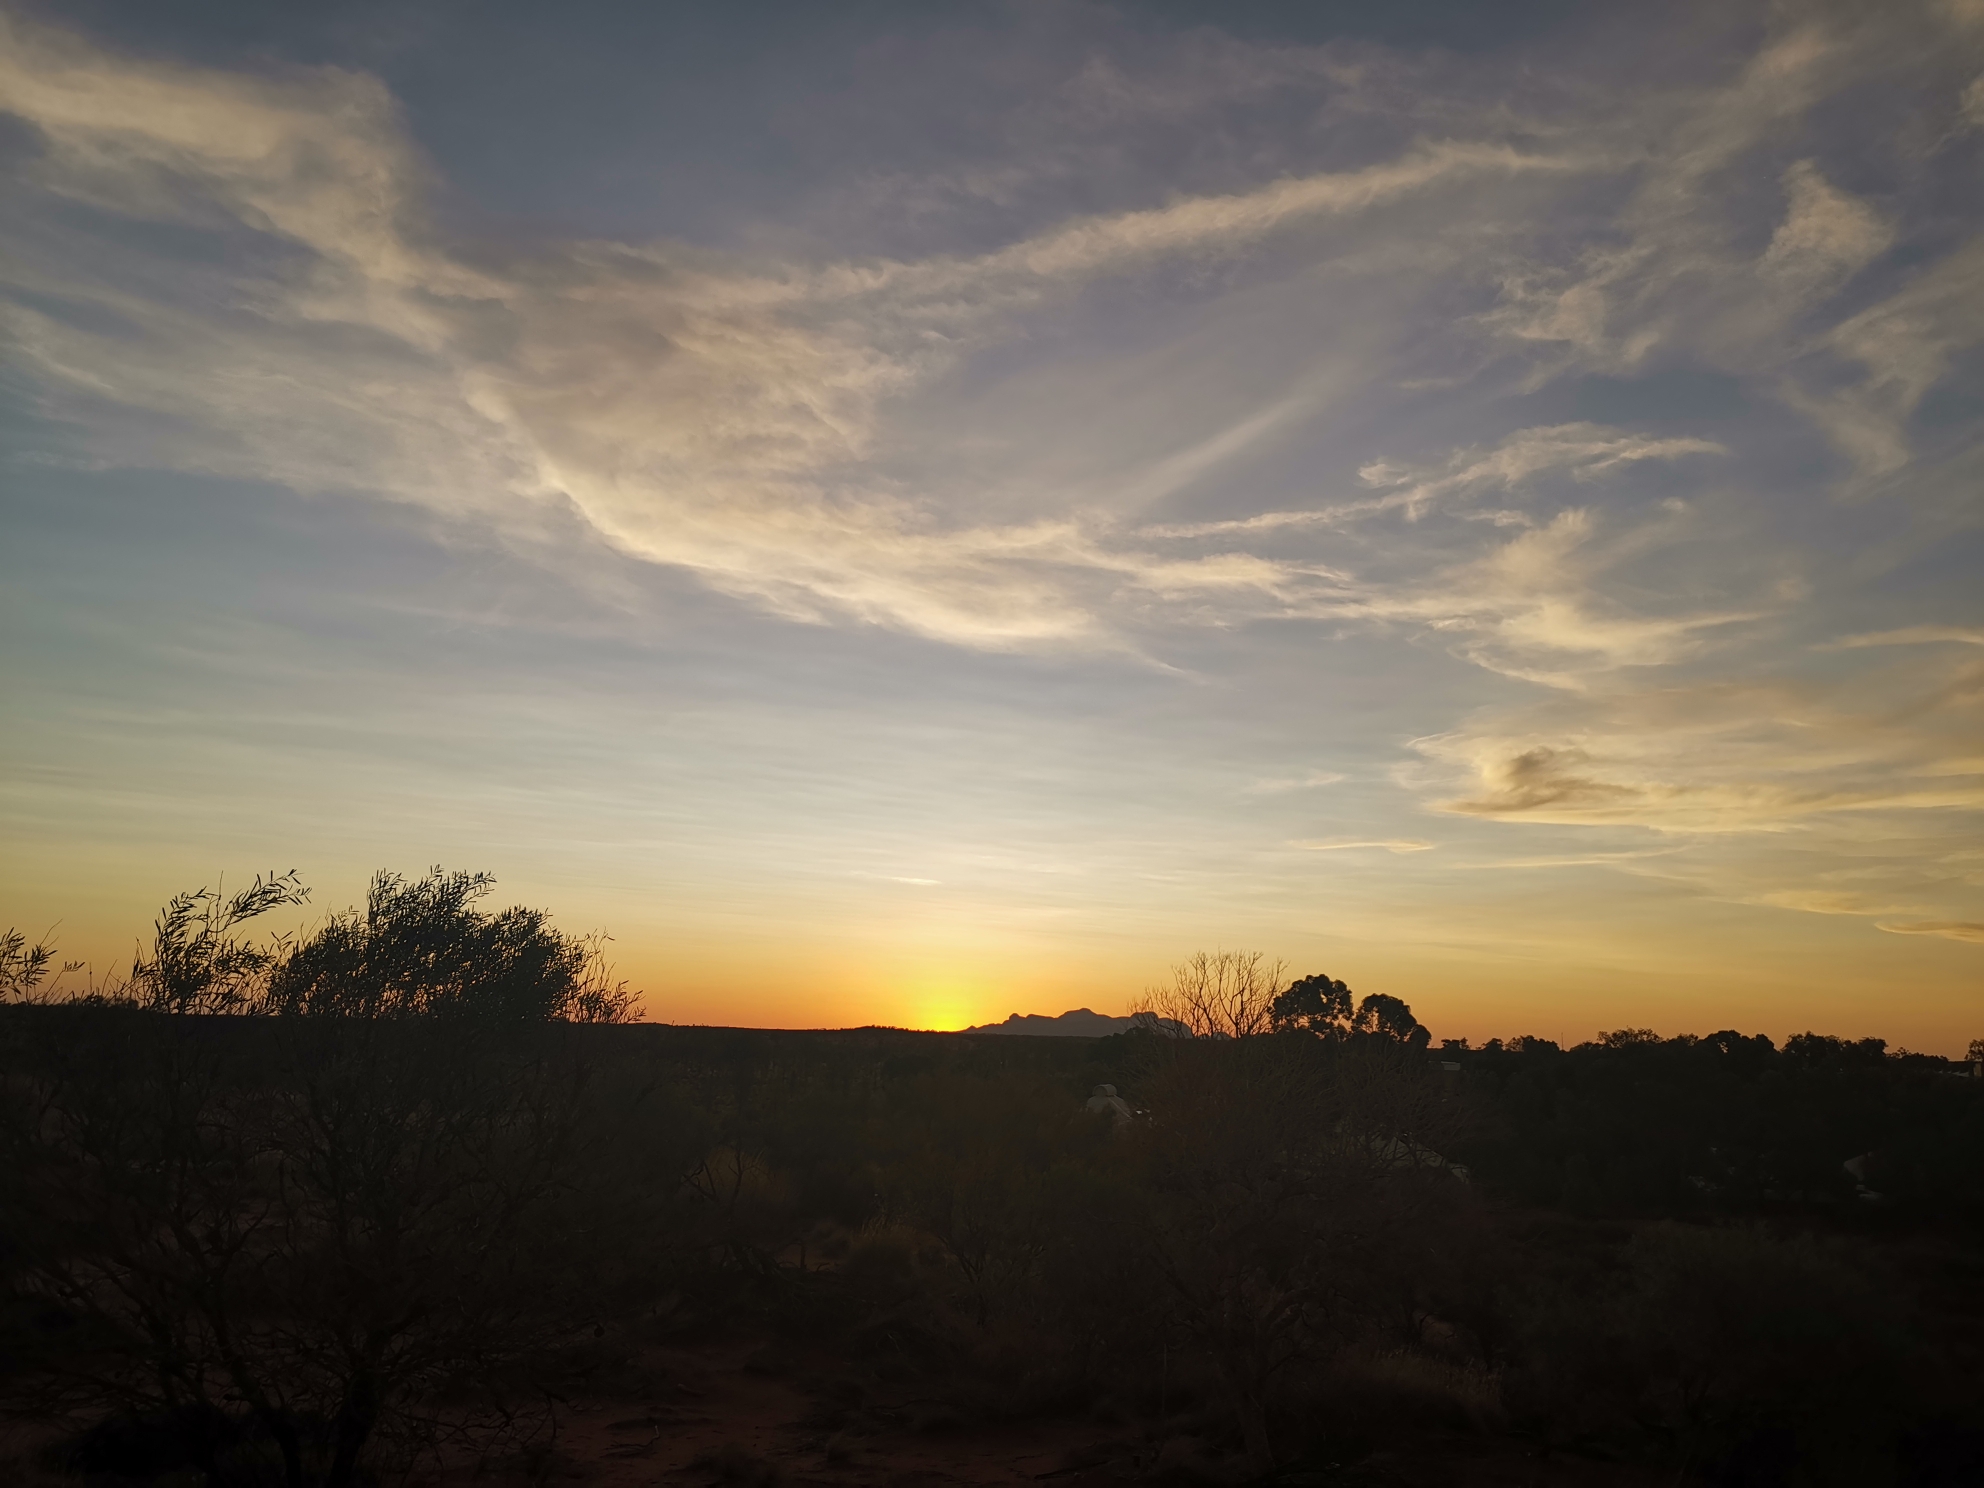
x,y
403,1239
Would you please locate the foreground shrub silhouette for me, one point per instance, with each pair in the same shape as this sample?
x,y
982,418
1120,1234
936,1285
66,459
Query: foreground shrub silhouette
x,y
285,1235
421,948
419,1202
1282,1199
322,1225
1749,1356
23,967
1754,1342
200,963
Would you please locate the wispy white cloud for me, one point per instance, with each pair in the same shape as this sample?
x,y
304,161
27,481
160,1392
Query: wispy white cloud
x,y
1720,756
697,414
1672,267
1973,103
1389,844
737,422
1217,224
1680,273
1583,451
1906,343
1851,794
1825,236
1965,930
1536,606
1314,780
1916,635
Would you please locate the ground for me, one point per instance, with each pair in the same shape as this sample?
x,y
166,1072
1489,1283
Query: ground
x,y
762,1413
768,1414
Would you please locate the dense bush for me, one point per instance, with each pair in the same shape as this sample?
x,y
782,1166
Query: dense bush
x,y
421,948
1727,1124
308,1232
311,1246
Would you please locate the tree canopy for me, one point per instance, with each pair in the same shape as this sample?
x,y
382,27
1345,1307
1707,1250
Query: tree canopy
x,y
420,947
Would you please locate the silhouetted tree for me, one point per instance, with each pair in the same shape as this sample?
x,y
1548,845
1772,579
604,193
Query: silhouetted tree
x,y
1329,1009
321,1226
1387,1017
1313,1004
198,962
22,966
420,947
1823,1049
1220,994
1628,1038
1282,1194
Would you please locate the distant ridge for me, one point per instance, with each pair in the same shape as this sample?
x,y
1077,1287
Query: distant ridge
x,y
1077,1023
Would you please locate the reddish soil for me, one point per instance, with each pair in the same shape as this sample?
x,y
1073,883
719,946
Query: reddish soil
x,y
756,1414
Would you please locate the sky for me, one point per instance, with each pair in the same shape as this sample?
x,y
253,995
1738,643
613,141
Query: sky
x,y
908,513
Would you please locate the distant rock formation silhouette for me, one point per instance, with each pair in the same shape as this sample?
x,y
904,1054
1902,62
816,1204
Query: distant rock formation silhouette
x,y
1077,1023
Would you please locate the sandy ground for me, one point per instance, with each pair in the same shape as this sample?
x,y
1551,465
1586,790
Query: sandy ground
x,y
754,1414
764,1415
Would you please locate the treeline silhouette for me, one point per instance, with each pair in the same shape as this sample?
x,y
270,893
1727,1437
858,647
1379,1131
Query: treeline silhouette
x,y
375,1202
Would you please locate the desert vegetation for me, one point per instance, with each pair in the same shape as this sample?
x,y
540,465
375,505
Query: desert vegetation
x,y
395,1200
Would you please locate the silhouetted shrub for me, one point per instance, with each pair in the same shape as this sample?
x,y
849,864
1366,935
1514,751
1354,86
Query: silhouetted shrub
x,y
320,1227
421,948
1713,1347
1275,1260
